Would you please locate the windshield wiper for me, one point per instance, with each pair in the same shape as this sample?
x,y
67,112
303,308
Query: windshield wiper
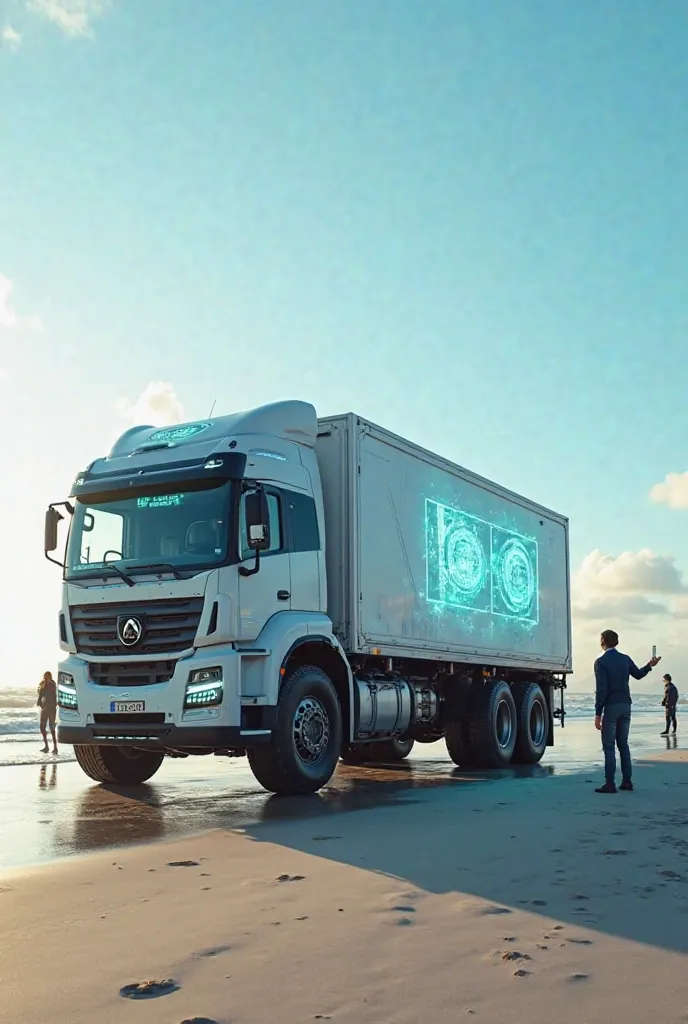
x,y
127,579
163,566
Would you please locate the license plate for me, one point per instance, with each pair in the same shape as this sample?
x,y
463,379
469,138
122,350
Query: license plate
x,y
127,707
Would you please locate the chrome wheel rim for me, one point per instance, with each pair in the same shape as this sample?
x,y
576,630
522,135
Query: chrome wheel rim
x,y
504,725
311,731
537,724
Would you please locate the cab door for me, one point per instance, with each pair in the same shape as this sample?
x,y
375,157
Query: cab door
x,y
268,591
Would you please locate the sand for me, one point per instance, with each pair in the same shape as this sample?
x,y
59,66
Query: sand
x,y
526,900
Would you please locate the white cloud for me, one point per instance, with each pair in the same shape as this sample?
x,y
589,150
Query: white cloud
x,y
10,38
673,491
9,318
73,17
640,594
157,405
631,572
628,607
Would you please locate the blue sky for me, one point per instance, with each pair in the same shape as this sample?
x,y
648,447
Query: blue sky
x,y
466,220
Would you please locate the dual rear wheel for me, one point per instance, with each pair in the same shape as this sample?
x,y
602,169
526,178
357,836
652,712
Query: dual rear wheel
x,y
497,726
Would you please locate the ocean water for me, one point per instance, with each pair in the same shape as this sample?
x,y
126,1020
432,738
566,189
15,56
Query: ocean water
x,y
20,738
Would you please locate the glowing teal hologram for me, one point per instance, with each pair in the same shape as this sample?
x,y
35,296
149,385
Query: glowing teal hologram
x,y
458,558
479,567
514,575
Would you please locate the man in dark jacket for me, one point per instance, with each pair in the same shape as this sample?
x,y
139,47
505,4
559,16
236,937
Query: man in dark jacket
x,y
669,704
613,707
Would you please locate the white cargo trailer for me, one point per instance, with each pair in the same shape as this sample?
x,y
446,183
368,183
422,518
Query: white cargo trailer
x,y
302,590
425,559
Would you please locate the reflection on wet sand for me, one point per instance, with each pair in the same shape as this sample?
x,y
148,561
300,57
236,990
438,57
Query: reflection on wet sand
x,y
45,782
107,816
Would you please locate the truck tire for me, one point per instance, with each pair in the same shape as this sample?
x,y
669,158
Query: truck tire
x,y
386,751
532,717
307,739
391,750
124,766
458,746
492,725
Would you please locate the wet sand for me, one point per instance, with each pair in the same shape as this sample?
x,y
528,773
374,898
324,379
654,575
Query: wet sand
x,y
53,810
522,898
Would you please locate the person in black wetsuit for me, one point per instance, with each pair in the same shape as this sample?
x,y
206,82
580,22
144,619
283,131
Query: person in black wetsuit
x,y
613,707
669,704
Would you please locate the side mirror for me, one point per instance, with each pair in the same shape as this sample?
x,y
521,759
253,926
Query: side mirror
x,y
52,520
257,520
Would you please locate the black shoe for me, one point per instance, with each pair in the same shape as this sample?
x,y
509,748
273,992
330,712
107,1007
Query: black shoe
x,y
665,733
627,787
609,787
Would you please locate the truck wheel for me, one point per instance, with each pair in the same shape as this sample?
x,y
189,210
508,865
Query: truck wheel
x,y
386,751
532,716
458,747
391,750
307,739
125,766
492,725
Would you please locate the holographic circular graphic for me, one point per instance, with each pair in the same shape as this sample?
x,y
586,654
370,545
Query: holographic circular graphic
x,y
466,561
516,576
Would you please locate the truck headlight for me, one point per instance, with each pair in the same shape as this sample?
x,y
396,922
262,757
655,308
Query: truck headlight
x,y
66,692
204,688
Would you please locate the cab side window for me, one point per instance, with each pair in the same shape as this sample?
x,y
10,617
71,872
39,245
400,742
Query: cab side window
x,y
276,532
305,535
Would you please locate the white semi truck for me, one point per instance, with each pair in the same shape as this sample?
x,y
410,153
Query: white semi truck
x,y
302,590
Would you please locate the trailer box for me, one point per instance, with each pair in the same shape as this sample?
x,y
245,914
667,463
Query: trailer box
x,y
428,560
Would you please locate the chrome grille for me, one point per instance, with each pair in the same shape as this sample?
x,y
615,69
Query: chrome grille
x,y
169,626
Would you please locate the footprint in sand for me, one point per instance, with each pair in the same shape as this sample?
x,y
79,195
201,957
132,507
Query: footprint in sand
x,y
579,977
213,951
513,954
290,878
493,911
198,1020
183,864
520,973
149,989
580,942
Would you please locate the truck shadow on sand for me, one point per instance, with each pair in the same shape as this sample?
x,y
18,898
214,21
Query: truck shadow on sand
x,y
618,865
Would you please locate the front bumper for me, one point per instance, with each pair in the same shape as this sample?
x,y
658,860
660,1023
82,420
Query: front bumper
x,y
165,737
165,723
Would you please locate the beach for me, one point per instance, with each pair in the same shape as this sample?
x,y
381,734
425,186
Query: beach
x,y
399,896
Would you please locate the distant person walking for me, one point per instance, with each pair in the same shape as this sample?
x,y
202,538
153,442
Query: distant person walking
x,y
613,707
669,704
47,702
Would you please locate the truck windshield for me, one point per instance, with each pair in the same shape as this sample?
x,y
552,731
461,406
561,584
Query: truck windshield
x,y
158,533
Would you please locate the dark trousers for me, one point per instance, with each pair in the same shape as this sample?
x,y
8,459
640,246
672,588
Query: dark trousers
x,y
671,718
616,725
